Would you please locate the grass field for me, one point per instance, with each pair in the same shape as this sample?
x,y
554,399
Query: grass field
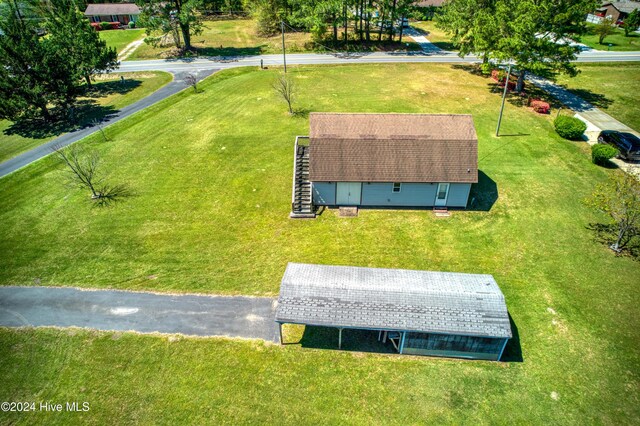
x,y
121,38
435,35
107,96
611,87
228,38
239,37
211,176
617,40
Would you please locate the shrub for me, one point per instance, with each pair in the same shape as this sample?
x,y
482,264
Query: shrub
x,y
95,26
569,127
132,24
601,154
115,25
541,107
105,25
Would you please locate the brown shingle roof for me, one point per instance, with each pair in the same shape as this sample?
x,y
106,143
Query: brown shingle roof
x,y
393,148
101,9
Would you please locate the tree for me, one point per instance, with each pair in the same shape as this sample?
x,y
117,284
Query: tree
x,y
285,88
45,51
620,200
80,46
604,28
528,32
178,18
191,80
85,171
631,22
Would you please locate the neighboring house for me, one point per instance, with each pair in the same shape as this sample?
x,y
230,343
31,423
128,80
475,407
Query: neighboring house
x,y
617,11
420,312
429,3
385,160
112,12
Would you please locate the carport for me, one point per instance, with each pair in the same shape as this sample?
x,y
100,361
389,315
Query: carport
x,y
422,312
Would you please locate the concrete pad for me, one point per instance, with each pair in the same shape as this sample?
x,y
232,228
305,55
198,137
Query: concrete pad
x,y
237,316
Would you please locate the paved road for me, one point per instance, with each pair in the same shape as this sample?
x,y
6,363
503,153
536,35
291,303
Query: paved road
x,y
441,56
247,317
43,150
206,66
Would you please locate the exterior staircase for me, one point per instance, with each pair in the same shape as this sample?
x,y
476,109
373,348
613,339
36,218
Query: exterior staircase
x,y
301,197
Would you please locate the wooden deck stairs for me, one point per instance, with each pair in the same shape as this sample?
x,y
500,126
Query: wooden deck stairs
x,y
301,198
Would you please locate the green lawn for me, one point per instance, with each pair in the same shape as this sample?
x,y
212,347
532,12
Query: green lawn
x,y
108,95
211,176
230,37
434,35
611,87
617,40
121,38
239,37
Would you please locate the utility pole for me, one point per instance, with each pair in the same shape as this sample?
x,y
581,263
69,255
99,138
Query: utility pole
x,y
504,95
284,53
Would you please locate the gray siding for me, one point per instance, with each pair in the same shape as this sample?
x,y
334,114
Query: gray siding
x,y
410,195
324,193
458,194
380,194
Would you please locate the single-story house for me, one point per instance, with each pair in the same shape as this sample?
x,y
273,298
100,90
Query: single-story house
x,y
429,3
385,160
112,12
617,11
421,312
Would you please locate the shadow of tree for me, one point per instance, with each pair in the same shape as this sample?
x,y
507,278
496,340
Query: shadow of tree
x,y
484,194
596,99
531,92
85,112
606,234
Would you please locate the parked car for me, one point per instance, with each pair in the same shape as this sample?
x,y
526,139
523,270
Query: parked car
x,y
628,144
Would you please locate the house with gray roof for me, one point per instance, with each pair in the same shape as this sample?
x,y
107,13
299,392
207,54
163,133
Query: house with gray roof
x,y
385,160
420,312
112,12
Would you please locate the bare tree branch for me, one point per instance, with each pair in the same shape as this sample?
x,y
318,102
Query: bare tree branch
x,y
285,88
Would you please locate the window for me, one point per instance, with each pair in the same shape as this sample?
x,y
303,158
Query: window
x,y
397,186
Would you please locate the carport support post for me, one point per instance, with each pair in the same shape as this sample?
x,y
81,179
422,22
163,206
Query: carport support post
x,y
339,338
404,335
502,350
280,333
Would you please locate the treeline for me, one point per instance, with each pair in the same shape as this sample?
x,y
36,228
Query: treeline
x,y
338,20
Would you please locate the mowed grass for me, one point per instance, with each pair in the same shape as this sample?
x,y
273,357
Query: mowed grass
x,y
121,38
228,38
611,87
211,176
617,40
108,96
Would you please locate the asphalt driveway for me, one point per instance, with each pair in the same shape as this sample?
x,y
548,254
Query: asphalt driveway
x,y
246,317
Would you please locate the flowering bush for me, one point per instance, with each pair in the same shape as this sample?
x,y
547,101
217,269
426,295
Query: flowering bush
x,y
541,107
95,26
500,76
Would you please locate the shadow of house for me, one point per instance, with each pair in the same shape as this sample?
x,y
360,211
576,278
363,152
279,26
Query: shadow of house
x,y
484,194
513,350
